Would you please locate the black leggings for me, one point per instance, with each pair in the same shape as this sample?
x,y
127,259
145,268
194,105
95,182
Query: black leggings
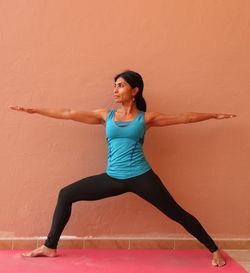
x,y
148,186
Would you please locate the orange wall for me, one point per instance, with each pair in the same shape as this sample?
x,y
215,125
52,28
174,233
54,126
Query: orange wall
x,y
193,56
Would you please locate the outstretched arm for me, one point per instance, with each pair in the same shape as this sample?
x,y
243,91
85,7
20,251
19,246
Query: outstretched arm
x,y
160,119
91,117
195,117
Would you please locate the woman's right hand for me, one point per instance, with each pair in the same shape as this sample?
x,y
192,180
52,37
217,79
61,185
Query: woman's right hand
x,y
19,108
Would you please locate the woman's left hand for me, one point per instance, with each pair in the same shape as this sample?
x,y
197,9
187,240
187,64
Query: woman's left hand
x,y
221,116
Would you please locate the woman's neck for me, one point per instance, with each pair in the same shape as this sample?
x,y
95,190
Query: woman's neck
x,y
128,109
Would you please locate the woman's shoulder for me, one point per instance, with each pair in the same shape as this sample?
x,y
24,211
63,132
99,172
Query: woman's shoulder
x,y
103,112
148,116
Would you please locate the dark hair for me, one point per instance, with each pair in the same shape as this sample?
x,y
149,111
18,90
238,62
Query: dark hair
x,y
134,80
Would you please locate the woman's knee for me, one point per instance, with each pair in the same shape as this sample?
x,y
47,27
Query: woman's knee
x,y
64,194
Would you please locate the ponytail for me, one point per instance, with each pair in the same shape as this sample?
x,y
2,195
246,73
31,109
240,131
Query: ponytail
x,y
140,102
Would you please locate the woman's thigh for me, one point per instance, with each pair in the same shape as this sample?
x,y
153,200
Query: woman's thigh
x,y
151,189
91,188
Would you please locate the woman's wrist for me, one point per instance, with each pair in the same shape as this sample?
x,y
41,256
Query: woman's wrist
x,y
196,117
31,110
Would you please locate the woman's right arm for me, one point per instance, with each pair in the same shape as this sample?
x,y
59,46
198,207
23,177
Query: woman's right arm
x,y
91,117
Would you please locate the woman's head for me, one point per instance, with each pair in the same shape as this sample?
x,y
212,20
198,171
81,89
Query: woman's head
x,y
132,81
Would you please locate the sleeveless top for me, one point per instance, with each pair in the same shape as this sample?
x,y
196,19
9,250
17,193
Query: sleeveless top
x,y
125,139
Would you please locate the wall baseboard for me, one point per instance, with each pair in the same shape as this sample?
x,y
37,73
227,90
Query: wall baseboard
x,y
72,242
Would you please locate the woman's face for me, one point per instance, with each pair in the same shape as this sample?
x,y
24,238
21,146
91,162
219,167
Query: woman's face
x,y
123,91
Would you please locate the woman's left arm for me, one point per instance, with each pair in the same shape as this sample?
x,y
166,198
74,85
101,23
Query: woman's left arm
x,y
195,117
160,119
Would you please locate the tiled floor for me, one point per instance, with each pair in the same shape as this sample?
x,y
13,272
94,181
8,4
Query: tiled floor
x,y
240,256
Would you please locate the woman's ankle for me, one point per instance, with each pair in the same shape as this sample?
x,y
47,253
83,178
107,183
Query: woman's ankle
x,y
52,249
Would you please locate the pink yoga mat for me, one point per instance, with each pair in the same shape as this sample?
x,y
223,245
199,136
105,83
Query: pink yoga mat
x,y
116,260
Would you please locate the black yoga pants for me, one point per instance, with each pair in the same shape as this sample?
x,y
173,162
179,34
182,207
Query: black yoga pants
x,y
147,185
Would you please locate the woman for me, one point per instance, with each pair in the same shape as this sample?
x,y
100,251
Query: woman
x,y
127,170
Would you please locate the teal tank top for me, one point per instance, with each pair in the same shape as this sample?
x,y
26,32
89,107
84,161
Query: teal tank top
x,y
125,139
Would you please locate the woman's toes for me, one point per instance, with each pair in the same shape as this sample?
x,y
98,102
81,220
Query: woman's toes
x,y
214,263
37,253
30,254
222,263
27,254
218,262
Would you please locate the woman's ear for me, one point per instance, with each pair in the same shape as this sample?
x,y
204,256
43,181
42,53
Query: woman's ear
x,y
135,91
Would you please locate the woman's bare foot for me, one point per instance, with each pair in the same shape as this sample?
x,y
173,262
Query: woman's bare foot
x,y
218,259
41,251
